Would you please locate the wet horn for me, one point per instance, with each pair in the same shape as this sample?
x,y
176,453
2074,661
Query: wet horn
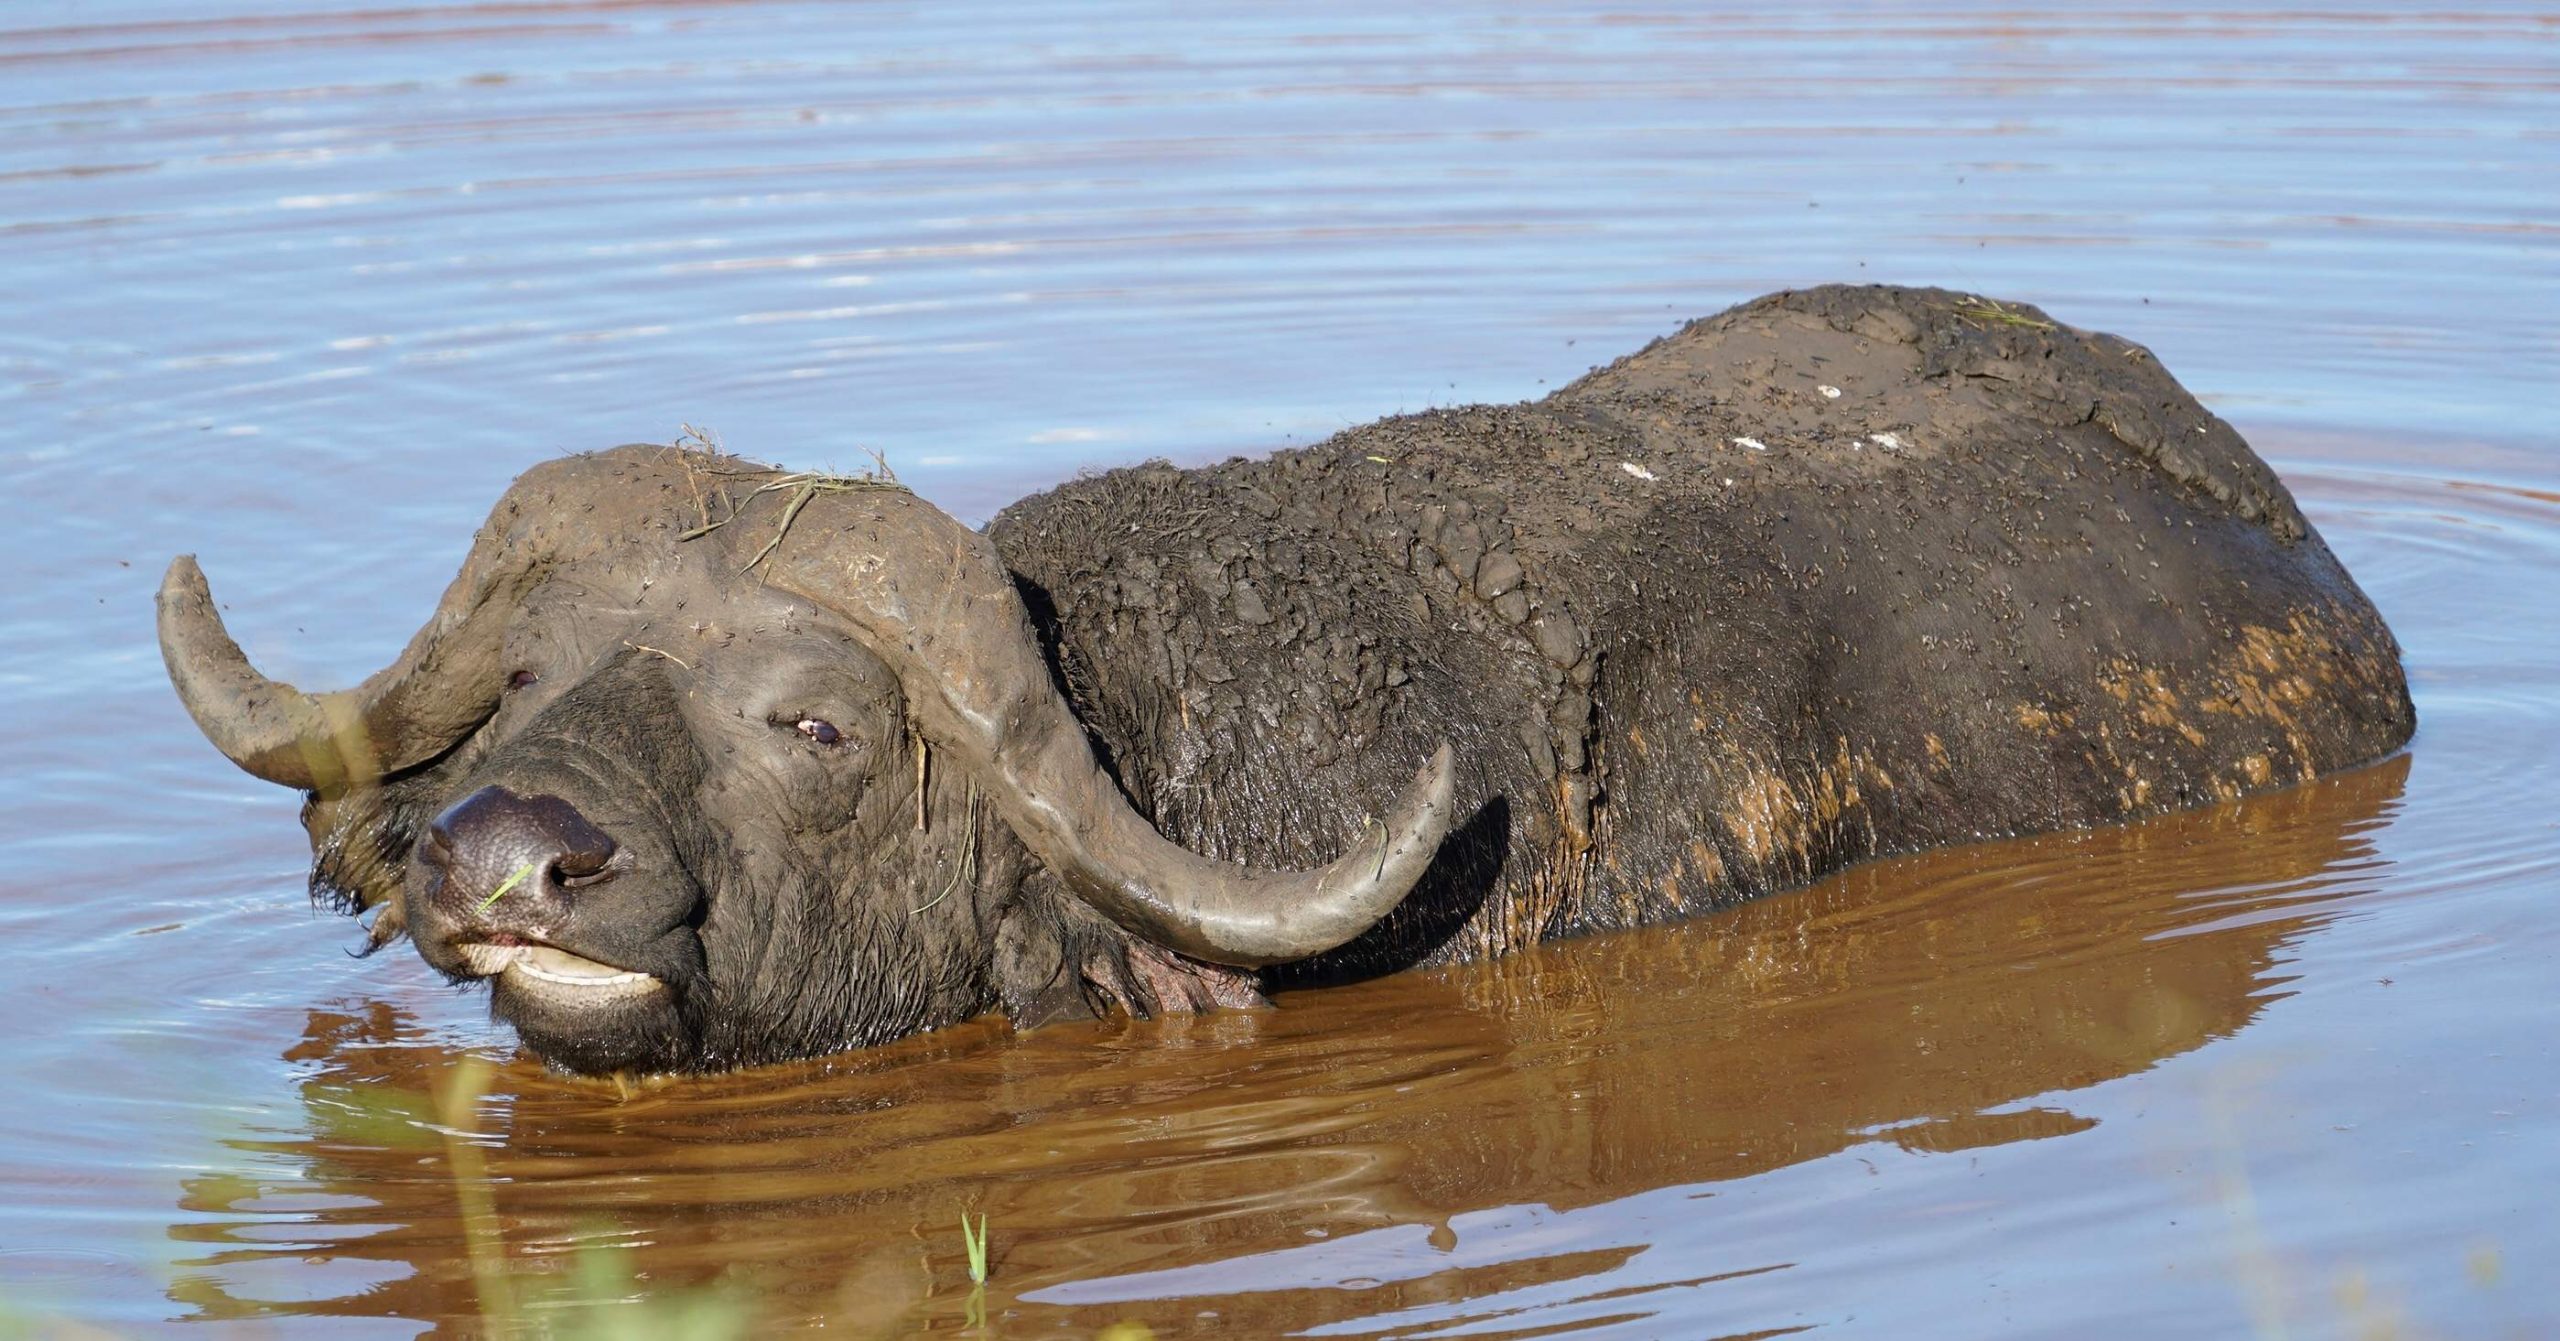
x,y
444,684
932,599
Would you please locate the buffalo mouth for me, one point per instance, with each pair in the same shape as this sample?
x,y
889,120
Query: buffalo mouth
x,y
552,974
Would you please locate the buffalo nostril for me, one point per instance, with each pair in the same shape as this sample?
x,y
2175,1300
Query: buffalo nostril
x,y
585,853
587,867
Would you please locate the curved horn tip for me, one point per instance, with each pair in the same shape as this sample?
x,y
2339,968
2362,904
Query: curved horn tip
x,y
184,578
1360,888
188,618
1436,784
247,716
1414,831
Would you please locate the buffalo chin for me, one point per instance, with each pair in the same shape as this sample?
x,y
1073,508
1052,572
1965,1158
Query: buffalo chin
x,y
611,1022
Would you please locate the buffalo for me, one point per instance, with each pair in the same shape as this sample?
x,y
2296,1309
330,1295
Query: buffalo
x,y
701,764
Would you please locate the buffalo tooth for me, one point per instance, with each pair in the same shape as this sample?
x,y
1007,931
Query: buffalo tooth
x,y
560,966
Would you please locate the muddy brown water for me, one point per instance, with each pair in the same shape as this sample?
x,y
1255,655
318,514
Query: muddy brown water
x,y
298,286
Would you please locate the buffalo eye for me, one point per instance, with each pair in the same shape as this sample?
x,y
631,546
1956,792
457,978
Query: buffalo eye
x,y
522,678
820,730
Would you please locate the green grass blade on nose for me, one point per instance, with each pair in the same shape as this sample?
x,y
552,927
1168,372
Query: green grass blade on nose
x,y
503,886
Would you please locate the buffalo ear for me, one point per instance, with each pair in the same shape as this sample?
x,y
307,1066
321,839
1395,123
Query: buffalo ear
x,y
1029,967
1166,983
1122,974
1055,959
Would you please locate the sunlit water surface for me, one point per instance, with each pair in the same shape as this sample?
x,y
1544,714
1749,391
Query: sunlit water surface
x,y
299,288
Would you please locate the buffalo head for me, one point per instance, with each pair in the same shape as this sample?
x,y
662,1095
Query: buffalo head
x,y
700,764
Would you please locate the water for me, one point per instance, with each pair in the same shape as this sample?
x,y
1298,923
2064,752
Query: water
x,y
298,288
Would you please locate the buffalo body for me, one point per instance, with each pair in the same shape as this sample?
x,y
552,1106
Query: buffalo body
x,y
705,764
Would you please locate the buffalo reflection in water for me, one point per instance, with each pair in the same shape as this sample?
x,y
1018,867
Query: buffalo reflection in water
x,y
1903,1002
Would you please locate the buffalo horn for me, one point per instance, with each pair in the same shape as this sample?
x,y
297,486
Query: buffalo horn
x,y
442,686
934,601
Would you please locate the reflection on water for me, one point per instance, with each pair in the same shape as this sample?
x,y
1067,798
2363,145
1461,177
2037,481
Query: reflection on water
x,y
298,285
1429,1133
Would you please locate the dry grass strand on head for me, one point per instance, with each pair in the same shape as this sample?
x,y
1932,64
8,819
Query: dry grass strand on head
x,y
802,485
1988,312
